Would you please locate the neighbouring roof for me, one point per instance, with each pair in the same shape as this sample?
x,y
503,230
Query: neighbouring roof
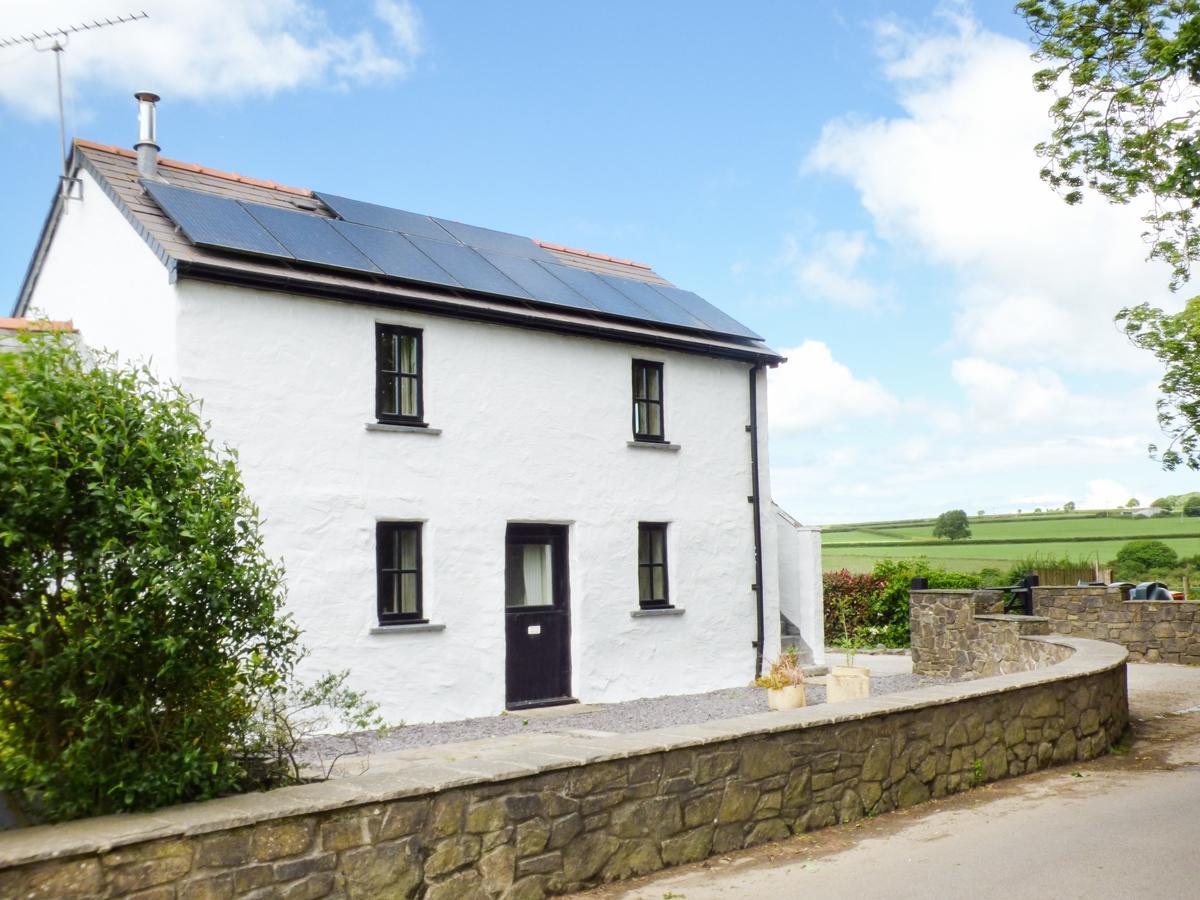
x,y
23,324
665,315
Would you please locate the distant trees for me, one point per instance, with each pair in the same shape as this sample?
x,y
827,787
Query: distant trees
x,y
1132,502
952,524
980,513
1138,558
1192,506
1069,506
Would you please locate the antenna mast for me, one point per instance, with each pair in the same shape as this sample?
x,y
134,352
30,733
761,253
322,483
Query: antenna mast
x,y
58,39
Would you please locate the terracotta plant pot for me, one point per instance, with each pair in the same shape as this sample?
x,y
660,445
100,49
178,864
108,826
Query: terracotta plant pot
x,y
847,683
790,697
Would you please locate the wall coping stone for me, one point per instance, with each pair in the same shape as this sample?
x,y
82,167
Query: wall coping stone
x,y
1009,617
490,761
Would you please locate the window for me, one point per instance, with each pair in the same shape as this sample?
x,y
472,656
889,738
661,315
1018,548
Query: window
x,y
398,554
648,400
398,375
652,565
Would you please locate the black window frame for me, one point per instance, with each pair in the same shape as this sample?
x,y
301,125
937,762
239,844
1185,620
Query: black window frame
x,y
640,365
654,528
384,574
391,378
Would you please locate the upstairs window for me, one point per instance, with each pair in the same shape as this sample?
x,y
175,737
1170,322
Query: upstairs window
x,y
398,555
398,375
648,401
652,565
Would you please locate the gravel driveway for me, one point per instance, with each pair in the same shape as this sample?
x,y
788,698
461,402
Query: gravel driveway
x,y
633,715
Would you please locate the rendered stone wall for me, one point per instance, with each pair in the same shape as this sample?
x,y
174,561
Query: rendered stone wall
x,y
531,824
962,634
1152,631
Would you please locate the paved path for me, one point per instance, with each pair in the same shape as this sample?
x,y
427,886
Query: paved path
x,y
1123,826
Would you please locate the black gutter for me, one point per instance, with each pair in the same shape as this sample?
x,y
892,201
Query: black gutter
x,y
756,500
219,274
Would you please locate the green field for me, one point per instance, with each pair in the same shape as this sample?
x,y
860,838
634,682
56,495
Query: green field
x,y
998,541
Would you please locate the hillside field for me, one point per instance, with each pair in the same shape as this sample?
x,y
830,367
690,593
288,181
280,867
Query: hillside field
x,y
998,541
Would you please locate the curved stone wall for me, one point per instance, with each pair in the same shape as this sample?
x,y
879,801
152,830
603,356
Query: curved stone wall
x,y
557,813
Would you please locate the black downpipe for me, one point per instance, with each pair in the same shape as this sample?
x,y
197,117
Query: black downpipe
x,y
754,498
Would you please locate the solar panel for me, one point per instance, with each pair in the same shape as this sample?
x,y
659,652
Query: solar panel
x,y
487,239
468,268
593,289
309,238
658,306
384,217
538,282
702,309
393,253
214,221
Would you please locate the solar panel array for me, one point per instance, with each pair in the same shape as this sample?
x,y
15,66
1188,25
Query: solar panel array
x,y
393,243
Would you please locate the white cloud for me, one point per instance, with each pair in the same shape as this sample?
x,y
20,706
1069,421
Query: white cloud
x,y
206,50
1104,493
956,178
813,389
829,270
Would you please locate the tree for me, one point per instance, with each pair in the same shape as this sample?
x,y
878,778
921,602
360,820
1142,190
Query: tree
x,y
1138,559
140,618
1126,124
1131,503
952,524
1192,506
1069,506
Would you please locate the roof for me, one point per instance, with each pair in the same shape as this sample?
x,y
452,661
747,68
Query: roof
x,y
115,169
23,324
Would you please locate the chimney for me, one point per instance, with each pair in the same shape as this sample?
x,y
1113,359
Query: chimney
x,y
147,144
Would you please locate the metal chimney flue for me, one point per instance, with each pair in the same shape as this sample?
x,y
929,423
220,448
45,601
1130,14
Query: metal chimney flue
x,y
147,144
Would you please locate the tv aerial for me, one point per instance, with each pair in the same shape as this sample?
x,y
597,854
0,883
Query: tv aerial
x,y
55,40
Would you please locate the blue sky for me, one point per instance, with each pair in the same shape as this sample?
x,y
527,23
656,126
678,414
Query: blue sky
x,y
853,179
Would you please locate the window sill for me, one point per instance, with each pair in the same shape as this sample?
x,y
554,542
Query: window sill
x,y
408,628
654,445
656,612
395,426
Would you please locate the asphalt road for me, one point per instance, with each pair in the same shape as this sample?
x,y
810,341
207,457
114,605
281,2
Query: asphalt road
x,y
1123,826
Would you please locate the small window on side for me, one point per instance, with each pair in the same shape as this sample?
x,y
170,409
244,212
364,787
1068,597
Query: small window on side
x,y
648,417
398,564
653,590
398,382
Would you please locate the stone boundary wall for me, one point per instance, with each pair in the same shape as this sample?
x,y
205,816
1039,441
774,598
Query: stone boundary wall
x,y
963,634
564,812
1151,630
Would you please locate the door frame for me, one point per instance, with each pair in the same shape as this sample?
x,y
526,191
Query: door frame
x,y
558,536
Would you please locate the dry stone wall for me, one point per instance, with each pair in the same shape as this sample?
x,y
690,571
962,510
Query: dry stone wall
x,y
1152,631
580,811
963,634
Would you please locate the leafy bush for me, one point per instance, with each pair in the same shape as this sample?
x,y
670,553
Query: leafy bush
x,y
848,599
141,636
875,607
1138,558
1192,506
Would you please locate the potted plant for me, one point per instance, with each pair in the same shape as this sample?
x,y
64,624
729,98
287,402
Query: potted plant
x,y
784,682
848,682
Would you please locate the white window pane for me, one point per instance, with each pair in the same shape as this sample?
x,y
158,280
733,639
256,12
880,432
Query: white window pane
x,y
408,593
408,354
408,396
654,423
408,548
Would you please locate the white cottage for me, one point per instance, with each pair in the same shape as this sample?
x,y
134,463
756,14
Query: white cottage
x,y
500,473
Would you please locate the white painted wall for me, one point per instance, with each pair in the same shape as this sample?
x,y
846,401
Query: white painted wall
x,y
534,428
801,590
101,274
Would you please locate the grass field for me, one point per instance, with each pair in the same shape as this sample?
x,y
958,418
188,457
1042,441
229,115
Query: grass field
x,y
1081,536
